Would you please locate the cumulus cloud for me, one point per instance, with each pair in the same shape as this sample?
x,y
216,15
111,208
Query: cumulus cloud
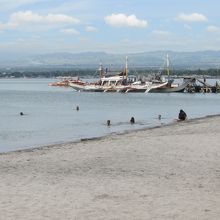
x,y
70,31
194,17
29,17
91,29
213,28
123,20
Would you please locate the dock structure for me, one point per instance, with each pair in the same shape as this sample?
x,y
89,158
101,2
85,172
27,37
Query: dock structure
x,y
201,86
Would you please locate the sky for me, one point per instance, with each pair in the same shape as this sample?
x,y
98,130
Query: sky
x,y
112,26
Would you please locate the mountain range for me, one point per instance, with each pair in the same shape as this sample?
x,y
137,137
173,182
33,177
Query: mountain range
x,y
154,59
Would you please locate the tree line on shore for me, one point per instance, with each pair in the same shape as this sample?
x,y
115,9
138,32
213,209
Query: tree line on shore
x,y
87,73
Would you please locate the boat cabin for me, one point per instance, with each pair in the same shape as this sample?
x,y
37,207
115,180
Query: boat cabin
x,y
112,81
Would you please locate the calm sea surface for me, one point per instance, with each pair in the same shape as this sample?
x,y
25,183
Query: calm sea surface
x,y
50,115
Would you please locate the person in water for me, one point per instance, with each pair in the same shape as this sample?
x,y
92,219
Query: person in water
x,y
132,121
182,115
108,122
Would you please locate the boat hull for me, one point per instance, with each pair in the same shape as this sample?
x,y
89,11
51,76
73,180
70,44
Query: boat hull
x,y
130,88
169,89
109,89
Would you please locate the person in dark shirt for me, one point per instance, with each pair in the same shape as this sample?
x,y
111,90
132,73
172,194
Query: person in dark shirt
x,y
182,115
132,121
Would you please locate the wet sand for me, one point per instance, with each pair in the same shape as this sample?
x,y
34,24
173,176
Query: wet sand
x,y
170,172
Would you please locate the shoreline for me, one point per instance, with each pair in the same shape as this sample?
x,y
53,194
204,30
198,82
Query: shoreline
x,y
48,146
166,172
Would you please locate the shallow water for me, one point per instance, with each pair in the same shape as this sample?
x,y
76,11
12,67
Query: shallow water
x,y
51,116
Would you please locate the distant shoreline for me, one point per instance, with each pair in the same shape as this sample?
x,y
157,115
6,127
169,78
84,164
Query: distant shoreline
x,y
40,76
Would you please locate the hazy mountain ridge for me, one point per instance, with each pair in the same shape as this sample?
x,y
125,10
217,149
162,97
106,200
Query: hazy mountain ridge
x,y
154,59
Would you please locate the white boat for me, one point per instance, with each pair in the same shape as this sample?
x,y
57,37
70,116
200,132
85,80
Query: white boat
x,y
116,83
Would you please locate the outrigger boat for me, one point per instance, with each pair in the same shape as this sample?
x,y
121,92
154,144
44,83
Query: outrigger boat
x,y
117,83
170,86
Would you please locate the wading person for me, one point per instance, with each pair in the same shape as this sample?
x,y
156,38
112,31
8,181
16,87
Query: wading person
x,y
182,115
108,122
132,121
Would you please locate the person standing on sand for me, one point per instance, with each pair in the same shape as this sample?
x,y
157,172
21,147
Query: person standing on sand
x,y
182,115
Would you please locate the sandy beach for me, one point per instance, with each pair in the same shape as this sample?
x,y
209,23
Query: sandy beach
x,y
169,172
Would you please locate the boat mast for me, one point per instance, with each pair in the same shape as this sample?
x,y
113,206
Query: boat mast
x,y
126,67
101,71
168,66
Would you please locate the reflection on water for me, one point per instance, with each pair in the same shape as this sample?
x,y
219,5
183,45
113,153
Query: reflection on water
x,y
51,116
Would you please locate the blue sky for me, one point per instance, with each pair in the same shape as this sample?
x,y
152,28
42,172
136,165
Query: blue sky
x,y
113,26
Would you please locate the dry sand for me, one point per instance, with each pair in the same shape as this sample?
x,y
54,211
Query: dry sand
x,y
171,172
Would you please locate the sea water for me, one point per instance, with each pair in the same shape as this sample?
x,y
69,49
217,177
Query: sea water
x,y
50,114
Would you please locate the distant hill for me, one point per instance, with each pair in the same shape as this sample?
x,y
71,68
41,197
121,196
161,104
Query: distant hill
x,y
155,59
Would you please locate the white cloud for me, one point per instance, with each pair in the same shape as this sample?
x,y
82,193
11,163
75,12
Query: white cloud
x,y
70,31
61,18
123,20
161,33
91,29
25,17
194,17
5,26
212,28
29,17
